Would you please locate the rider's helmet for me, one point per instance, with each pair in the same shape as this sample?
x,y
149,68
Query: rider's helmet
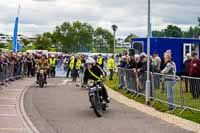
x,y
52,55
90,60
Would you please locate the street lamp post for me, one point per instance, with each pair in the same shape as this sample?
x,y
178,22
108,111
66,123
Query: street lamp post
x,y
148,54
59,47
114,28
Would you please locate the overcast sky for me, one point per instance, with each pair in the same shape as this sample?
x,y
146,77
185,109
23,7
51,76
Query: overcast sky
x,y
39,16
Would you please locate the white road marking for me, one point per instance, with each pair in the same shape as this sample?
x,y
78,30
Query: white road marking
x,y
8,115
7,105
11,129
64,82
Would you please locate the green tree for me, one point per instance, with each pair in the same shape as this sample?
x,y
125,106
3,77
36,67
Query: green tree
x,y
82,35
189,33
158,33
130,37
173,31
42,42
25,42
103,40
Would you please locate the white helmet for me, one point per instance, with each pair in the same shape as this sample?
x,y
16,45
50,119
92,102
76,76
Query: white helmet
x,y
90,60
137,56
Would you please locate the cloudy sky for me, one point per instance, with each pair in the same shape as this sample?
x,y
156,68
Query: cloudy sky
x,y
39,16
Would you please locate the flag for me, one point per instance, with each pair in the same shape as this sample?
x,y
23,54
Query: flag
x,y
19,46
14,43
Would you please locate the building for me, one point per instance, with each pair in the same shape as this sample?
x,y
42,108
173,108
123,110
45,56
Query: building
x,y
5,39
122,44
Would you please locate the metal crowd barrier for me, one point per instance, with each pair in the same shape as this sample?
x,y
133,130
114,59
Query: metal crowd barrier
x,y
191,93
10,72
184,95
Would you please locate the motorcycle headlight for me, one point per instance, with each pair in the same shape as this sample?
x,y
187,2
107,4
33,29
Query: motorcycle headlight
x,y
91,83
41,71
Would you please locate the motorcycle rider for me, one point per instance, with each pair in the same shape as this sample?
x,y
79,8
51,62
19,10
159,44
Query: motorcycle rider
x,y
95,72
42,63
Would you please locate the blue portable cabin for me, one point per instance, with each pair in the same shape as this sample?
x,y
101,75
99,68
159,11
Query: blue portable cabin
x,y
180,47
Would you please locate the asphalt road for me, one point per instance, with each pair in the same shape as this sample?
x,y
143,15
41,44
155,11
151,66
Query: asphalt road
x,y
61,107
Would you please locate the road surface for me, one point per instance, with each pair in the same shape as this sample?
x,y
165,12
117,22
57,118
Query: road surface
x,y
62,107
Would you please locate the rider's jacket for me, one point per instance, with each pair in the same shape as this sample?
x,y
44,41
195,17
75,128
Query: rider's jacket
x,y
42,64
95,73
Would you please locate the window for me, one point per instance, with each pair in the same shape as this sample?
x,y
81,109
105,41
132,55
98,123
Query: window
x,y
138,46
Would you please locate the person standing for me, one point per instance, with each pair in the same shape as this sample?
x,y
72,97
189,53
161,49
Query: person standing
x,y
170,71
52,62
111,66
75,65
186,67
100,61
122,72
194,71
29,64
156,63
69,68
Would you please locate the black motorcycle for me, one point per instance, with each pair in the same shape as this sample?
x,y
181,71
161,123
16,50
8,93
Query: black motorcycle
x,y
97,101
41,80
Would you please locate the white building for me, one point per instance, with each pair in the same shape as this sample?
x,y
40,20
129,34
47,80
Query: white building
x,y
5,39
122,44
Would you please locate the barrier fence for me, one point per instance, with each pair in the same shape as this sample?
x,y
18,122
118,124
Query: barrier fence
x,y
10,72
176,91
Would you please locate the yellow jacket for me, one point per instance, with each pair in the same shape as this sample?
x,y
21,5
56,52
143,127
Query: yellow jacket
x,y
100,60
72,63
111,63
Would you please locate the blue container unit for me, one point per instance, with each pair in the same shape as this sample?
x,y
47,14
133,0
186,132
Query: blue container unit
x,y
180,48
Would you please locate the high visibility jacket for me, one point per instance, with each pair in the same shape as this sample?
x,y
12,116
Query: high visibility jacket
x,y
52,61
72,64
111,64
78,64
100,60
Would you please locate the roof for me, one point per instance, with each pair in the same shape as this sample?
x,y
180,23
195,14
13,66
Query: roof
x,y
186,40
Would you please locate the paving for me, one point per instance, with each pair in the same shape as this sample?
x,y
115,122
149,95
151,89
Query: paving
x,y
62,107
10,121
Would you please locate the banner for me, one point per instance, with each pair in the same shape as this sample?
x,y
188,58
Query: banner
x,y
14,43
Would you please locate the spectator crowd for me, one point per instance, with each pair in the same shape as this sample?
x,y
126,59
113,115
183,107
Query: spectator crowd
x,y
134,68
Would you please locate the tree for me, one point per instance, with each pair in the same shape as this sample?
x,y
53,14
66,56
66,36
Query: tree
x,y
189,33
173,31
42,42
25,42
103,40
130,37
75,37
83,36
198,21
158,33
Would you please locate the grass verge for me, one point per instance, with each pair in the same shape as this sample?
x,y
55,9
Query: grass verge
x,y
162,107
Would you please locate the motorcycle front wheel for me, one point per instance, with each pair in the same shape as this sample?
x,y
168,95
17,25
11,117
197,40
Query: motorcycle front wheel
x,y
96,105
41,81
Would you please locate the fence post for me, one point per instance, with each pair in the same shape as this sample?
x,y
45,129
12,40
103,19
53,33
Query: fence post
x,y
181,93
